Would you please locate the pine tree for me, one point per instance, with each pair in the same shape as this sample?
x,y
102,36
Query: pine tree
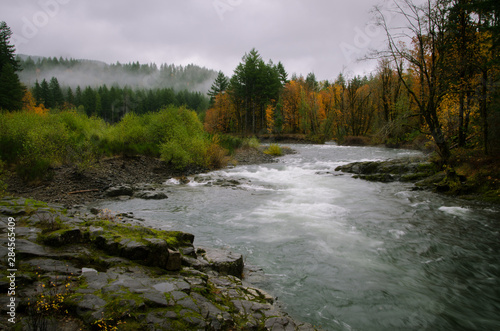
x,y
70,98
220,85
11,89
37,93
6,49
45,95
57,97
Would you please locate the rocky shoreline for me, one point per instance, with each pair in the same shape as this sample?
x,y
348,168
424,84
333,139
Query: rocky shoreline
x,y
80,269
68,185
87,269
424,175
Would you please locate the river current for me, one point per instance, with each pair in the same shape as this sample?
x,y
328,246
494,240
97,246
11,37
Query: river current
x,y
343,253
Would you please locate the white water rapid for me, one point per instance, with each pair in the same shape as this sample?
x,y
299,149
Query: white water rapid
x,y
343,253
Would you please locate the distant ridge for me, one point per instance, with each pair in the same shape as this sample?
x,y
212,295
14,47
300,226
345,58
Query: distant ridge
x,y
84,72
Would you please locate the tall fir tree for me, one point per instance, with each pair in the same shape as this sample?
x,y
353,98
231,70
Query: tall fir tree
x,y
219,86
56,92
11,89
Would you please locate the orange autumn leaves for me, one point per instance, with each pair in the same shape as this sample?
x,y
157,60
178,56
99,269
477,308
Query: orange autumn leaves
x,y
31,106
325,110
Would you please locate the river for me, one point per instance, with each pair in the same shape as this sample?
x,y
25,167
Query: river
x,y
343,253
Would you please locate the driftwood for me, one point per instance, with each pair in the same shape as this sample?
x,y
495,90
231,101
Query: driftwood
x,y
84,191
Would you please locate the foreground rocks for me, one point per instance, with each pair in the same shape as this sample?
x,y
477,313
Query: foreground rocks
x,y
79,270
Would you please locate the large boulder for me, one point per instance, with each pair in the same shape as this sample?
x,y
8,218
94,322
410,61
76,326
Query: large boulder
x,y
120,190
222,261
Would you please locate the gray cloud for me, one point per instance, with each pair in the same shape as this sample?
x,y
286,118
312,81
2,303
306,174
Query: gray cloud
x,y
317,36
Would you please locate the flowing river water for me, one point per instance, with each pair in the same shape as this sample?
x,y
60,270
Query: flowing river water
x,y
344,253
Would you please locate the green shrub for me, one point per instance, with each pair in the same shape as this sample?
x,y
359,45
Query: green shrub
x,y
216,156
231,143
274,149
184,140
34,143
252,142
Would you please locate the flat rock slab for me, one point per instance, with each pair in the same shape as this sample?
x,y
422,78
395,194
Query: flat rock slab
x,y
223,261
53,266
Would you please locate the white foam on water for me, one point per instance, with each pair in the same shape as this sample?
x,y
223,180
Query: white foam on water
x,y
173,181
456,211
397,233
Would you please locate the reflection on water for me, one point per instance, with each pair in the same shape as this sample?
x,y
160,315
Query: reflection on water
x,y
343,253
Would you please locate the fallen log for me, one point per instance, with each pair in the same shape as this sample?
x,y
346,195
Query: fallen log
x,y
84,191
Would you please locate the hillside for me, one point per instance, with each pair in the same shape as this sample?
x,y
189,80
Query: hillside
x,y
73,73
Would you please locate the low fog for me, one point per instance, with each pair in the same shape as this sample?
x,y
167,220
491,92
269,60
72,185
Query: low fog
x,y
73,73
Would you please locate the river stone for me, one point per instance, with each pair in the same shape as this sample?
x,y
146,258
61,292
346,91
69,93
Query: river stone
x,y
134,250
224,262
53,266
97,280
121,190
280,323
148,195
174,262
107,244
95,231
155,299
12,211
63,237
159,254
188,303
90,303
188,251
165,287
88,270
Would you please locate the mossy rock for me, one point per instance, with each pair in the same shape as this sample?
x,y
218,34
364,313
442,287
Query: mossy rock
x,y
62,237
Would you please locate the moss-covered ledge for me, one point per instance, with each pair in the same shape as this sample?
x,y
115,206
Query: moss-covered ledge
x,y
82,271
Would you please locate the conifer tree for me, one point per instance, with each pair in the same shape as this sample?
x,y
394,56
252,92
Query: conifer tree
x,y
220,85
11,89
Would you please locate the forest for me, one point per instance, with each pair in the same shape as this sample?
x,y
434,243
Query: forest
x,y
132,87
437,88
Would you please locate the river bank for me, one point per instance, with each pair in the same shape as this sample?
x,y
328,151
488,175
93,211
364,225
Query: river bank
x,y
426,175
68,185
88,270
81,268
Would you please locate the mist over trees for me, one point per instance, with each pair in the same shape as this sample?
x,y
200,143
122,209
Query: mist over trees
x,y
73,73
111,91
112,103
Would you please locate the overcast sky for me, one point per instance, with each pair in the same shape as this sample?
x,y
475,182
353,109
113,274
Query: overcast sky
x,y
320,36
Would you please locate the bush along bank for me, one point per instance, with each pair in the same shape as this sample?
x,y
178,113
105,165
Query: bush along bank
x,y
101,271
33,144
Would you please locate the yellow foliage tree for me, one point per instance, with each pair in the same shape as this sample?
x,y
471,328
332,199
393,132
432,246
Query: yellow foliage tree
x,y
270,118
31,106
